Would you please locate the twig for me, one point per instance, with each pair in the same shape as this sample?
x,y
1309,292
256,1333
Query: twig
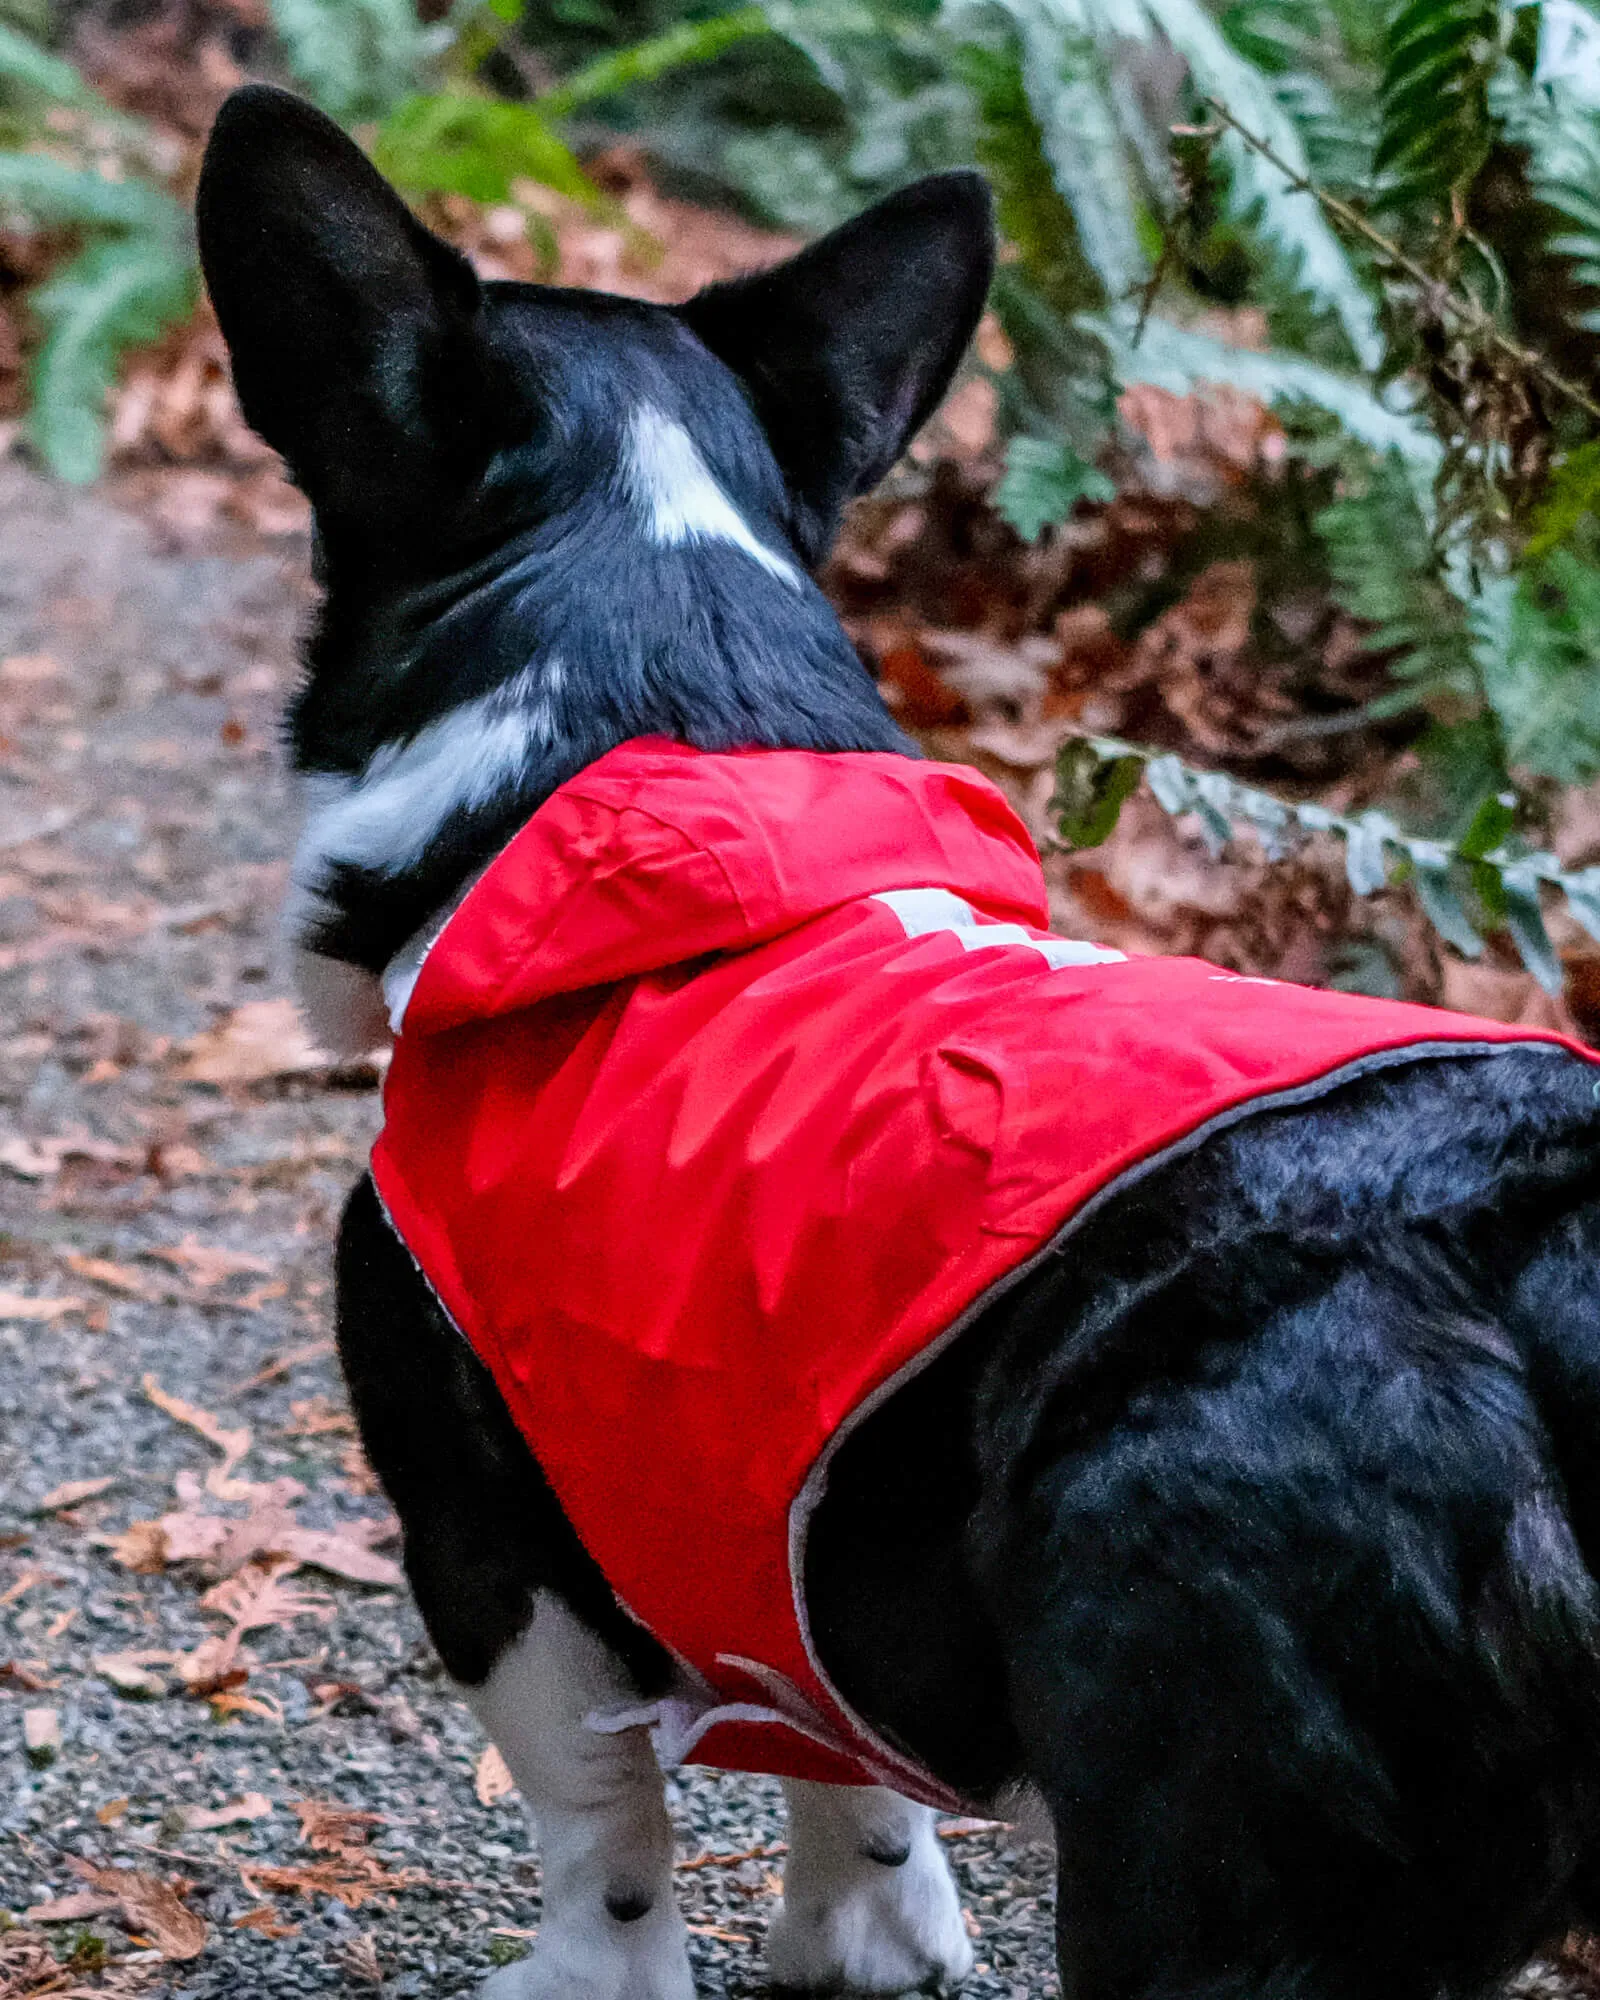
x,y
1465,309
696,1862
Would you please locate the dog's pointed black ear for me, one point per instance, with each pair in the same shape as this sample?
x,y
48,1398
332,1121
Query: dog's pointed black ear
x,y
351,327
847,348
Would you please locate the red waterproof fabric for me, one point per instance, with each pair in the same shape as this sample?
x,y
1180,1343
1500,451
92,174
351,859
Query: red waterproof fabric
x,y
701,1142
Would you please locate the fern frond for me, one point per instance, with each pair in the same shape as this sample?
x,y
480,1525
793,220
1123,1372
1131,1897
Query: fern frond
x,y
1436,130
356,58
1386,574
1486,865
116,293
1536,642
451,143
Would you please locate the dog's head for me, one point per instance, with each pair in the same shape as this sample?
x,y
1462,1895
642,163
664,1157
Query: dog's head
x,y
422,410
550,520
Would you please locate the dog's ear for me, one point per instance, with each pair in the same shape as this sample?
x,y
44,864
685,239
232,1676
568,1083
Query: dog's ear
x,y
847,348
352,328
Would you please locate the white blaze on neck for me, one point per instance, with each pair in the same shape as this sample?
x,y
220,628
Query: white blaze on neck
x,y
667,478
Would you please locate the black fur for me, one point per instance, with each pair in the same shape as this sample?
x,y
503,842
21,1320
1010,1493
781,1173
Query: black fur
x,y
1258,1527
491,420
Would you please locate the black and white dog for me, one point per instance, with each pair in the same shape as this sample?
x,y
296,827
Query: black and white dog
x,y
1258,1537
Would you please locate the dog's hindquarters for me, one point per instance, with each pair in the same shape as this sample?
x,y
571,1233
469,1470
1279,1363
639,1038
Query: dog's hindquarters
x,y
1303,1651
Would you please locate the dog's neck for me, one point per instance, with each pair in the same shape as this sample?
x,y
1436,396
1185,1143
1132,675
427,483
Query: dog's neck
x,y
436,720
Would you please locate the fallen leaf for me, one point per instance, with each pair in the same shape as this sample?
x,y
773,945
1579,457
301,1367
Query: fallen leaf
x,y
74,1491
26,1676
341,1552
254,1805
188,1536
492,1781
114,1277
258,1598
41,1159
260,1295
331,1828
261,1040
152,1907
41,1734
266,1920
204,1264
30,1579
112,1811
77,1908
232,1444
20,1306
140,1547
129,1673
227,1701
319,1416
282,1364
359,1958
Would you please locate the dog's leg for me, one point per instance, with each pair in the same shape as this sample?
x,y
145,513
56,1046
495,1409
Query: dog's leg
x,y
610,1929
869,1903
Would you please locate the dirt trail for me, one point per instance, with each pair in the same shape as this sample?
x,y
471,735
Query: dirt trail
x,y
164,1242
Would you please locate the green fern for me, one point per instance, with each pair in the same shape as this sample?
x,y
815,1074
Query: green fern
x,y
1436,130
1485,878
1386,573
356,58
134,276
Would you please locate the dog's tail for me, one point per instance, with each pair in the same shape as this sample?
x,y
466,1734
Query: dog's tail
x,y
1305,1646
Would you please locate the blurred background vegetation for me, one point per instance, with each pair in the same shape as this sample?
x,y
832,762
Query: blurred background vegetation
x,y
1357,242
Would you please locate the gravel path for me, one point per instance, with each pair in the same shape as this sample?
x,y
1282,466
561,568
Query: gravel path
x,y
166,1206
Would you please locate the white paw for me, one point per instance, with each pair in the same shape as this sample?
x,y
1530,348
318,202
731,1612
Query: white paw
x,y
886,1930
607,1961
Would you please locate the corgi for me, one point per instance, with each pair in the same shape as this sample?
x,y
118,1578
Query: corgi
x,y
805,1315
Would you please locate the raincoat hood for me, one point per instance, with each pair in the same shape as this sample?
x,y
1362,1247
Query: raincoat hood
x,y
659,854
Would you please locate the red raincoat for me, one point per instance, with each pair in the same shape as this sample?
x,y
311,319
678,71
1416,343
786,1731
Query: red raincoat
x,y
729,1092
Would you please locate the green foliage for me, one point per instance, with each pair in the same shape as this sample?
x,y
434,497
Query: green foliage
x,y
1386,573
1485,879
131,277
446,143
1044,480
355,58
1436,131
117,292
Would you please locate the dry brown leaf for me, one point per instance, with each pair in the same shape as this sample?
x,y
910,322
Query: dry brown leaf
x,y
261,1040
258,1598
130,1673
204,1264
77,1908
29,1675
73,1491
254,1805
352,1879
319,1416
331,1828
141,1547
346,1552
151,1907
22,1306
114,1277
232,1444
41,1159
266,1920
492,1780
359,1958
112,1811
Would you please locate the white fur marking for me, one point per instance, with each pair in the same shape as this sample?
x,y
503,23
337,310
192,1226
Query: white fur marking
x,y
602,1822
922,912
849,1921
682,502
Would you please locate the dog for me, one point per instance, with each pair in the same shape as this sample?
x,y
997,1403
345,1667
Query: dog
x,y
1250,1522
